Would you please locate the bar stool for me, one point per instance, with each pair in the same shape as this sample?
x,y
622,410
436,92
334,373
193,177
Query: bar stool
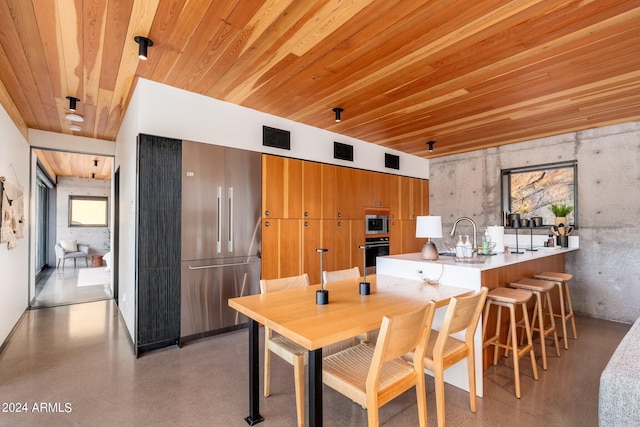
x,y
510,298
566,308
538,288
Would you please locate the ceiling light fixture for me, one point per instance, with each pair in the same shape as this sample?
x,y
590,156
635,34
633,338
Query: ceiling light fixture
x,y
75,127
72,107
430,144
143,43
338,111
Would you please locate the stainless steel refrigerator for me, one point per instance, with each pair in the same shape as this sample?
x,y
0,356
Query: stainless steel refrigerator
x,y
221,236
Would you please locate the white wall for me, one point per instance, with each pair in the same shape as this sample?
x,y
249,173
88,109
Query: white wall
x,y
606,270
126,161
175,113
95,237
14,264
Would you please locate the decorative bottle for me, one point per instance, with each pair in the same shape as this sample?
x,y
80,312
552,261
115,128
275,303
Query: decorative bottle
x,y
486,243
468,247
460,247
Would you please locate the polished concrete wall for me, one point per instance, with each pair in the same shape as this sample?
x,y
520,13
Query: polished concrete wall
x,y
606,271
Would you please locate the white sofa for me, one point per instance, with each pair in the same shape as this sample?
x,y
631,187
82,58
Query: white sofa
x,y
619,398
82,251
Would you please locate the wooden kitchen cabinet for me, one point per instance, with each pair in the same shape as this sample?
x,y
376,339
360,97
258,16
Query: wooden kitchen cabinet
x,y
395,236
349,193
281,187
312,240
380,189
328,176
414,197
281,248
312,190
357,239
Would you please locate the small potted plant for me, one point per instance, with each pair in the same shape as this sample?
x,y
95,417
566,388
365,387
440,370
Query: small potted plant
x,y
561,212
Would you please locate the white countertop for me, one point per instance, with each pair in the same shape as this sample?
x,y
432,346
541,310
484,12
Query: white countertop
x,y
492,261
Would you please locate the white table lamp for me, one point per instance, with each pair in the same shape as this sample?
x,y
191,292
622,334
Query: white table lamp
x,y
429,227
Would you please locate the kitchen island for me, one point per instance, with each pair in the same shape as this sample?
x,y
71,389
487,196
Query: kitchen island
x,y
498,270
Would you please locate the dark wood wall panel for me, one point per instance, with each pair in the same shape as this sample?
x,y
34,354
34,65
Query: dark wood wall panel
x,y
503,276
158,241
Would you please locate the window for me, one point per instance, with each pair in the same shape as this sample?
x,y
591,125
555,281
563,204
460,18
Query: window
x,y
530,191
88,211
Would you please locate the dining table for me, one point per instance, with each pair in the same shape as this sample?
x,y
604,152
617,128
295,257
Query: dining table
x,y
295,314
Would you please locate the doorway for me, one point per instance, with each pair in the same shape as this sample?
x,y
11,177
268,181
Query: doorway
x,y
72,195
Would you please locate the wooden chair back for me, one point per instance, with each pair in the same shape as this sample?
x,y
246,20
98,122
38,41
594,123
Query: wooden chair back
x,y
334,276
463,313
271,285
398,336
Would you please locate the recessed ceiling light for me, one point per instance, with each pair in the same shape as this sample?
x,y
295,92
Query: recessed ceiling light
x,y
74,117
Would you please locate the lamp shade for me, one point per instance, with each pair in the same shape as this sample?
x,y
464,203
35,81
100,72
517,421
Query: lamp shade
x,y
429,226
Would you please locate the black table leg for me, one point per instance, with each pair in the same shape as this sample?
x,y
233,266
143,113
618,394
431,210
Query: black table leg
x,y
315,388
254,375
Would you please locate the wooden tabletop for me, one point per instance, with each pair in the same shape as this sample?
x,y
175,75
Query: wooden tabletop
x,y
295,314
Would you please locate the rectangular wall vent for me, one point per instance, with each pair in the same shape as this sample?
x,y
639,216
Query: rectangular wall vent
x,y
342,151
278,138
391,161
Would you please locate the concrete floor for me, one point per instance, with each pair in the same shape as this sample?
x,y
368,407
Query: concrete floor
x,y
78,362
71,285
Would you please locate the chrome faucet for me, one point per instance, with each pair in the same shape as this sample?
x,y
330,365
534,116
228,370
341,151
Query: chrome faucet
x,y
475,230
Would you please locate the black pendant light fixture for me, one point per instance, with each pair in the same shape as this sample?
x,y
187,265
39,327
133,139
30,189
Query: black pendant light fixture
x,y
430,144
338,111
72,115
143,44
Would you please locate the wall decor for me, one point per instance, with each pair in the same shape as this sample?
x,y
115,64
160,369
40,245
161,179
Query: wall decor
x,y
12,210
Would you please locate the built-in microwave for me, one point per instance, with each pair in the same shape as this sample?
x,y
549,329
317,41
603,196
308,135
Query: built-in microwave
x,y
376,224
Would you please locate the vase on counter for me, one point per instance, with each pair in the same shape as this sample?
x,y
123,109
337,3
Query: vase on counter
x,y
560,220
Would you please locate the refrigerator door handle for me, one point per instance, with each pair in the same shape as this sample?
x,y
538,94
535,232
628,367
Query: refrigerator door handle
x,y
218,239
202,267
230,244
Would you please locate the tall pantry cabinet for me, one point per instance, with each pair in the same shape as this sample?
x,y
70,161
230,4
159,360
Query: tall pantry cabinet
x,y
309,205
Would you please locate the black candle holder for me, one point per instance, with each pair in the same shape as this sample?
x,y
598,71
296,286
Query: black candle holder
x,y
322,296
531,226
515,225
365,287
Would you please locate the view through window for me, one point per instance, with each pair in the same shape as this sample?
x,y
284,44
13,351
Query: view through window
x,y
530,191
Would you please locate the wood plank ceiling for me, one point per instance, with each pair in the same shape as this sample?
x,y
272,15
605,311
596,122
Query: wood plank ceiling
x,y
467,74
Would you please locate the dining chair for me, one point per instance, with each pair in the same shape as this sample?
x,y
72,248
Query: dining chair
x,y
287,349
443,350
374,375
348,273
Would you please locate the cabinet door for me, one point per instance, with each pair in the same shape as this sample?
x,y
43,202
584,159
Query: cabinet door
x,y
311,190
416,198
281,248
405,193
357,240
343,244
312,240
281,187
328,173
425,197
392,189
395,237
349,193
410,243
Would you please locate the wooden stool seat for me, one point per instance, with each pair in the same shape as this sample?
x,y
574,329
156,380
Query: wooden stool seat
x,y
510,298
540,288
566,308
